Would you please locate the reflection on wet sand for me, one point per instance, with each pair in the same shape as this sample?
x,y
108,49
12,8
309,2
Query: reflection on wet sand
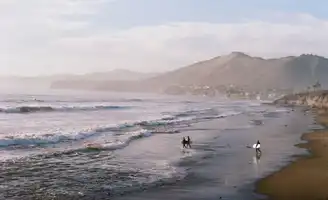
x,y
256,163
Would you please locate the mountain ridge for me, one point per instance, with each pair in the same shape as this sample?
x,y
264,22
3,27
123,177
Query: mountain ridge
x,y
235,69
46,81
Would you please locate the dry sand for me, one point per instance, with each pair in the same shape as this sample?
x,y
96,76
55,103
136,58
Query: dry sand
x,y
307,178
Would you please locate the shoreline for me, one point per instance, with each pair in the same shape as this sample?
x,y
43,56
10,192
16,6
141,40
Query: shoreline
x,y
230,171
305,178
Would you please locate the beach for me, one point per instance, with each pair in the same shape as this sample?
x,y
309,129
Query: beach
x,y
306,178
228,169
139,155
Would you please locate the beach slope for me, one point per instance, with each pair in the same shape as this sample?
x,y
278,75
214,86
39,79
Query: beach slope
x,y
307,178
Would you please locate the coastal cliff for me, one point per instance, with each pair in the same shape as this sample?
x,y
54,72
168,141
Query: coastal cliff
x,y
316,99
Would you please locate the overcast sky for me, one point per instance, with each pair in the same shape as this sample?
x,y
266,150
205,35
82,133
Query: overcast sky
x,y
80,36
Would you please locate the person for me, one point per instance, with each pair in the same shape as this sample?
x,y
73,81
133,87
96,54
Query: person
x,y
184,142
257,148
189,142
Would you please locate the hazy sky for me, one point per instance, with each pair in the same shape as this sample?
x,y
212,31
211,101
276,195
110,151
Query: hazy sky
x,y
58,36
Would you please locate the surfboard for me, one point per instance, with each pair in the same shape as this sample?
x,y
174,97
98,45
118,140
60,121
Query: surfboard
x,y
254,146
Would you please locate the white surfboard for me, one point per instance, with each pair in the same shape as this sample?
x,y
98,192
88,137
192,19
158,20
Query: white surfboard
x,y
254,146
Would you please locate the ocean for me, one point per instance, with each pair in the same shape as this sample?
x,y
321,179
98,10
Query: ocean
x,y
44,138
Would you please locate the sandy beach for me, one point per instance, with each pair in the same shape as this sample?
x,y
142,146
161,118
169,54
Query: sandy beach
x,y
307,178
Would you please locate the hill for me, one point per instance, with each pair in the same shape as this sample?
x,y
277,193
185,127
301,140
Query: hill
x,y
88,79
116,75
242,70
237,70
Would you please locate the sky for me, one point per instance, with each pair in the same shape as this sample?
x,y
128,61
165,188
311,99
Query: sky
x,y
39,37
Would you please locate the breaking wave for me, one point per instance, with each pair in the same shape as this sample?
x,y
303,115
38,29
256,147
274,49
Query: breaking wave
x,y
126,132
15,100
119,144
33,109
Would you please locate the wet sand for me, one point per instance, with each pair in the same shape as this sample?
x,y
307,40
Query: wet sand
x,y
225,168
307,178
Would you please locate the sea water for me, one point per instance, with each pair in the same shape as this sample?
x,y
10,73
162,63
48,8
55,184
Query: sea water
x,y
44,138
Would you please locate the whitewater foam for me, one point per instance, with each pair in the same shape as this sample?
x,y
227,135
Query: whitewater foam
x,y
33,109
128,137
150,127
28,139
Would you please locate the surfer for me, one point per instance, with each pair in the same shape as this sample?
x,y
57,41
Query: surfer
x,y
257,147
188,142
184,142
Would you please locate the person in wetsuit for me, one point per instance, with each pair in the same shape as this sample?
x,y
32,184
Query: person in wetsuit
x,y
188,142
258,150
184,142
